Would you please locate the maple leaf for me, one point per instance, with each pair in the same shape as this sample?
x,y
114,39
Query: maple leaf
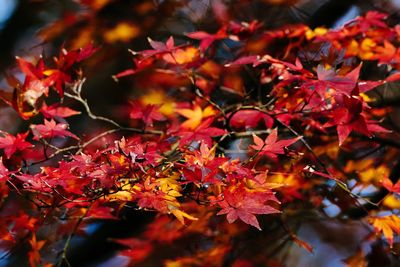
x,y
343,84
202,133
371,19
387,225
244,27
61,75
170,185
58,78
101,212
393,78
203,176
66,59
250,119
201,157
244,61
31,71
138,249
34,182
356,260
147,114
63,176
181,215
348,84
243,204
206,39
24,97
182,56
158,48
388,184
194,116
33,254
348,117
51,129
144,153
4,172
25,221
11,143
163,200
83,53
271,147
139,65
57,111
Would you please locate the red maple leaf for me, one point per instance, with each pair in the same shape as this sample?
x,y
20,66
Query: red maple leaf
x,y
24,98
60,75
138,249
271,147
147,114
51,129
34,182
254,60
11,143
101,212
244,28
348,84
4,172
57,111
202,133
243,204
144,153
206,39
31,71
348,117
250,119
371,19
209,174
158,48
342,84
388,184
139,65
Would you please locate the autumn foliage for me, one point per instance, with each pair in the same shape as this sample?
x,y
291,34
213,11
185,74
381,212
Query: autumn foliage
x,y
230,131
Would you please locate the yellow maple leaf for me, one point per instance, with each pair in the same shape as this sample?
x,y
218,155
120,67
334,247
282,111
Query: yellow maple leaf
x,y
170,185
157,97
283,180
388,225
392,202
127,192
180,215
366,170
194,116
366,49
374,174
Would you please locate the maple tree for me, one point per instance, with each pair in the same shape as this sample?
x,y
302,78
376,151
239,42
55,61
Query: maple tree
x,y
228,131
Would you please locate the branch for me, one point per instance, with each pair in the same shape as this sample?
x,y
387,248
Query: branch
x,y
77,89
70,236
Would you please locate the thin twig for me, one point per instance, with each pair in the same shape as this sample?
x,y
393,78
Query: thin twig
x,y
70,236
